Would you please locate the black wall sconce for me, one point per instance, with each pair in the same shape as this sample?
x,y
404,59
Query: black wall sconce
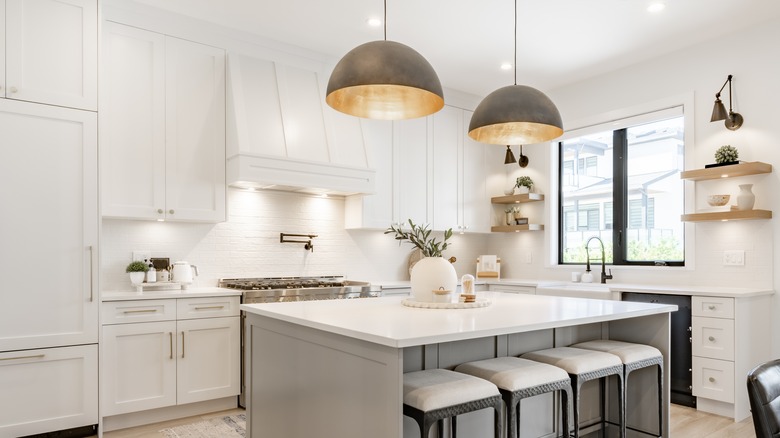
x,y
509,158
732,120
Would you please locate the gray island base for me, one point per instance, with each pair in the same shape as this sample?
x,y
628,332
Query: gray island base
x,y
334,369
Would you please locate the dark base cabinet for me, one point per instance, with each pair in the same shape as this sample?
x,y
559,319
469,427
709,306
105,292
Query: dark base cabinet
x,y
680,370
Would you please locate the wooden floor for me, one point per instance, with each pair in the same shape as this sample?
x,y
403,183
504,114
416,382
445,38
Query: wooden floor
x,y
685,423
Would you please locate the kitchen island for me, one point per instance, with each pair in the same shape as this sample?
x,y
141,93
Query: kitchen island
x,y
335,368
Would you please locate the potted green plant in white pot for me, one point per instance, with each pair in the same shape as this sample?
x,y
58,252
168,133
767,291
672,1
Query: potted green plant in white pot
x,y
137,271
432,272
524,184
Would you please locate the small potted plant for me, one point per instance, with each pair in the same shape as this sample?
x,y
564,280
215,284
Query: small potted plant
x,y
726,155
433,272
137,270
516,213
524,184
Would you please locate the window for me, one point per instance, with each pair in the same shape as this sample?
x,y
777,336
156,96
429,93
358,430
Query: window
x,y
621,175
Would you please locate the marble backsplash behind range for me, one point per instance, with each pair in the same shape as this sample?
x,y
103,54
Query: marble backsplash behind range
x,y
247,245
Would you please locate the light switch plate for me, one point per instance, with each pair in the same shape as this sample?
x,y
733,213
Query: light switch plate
x,y
734,257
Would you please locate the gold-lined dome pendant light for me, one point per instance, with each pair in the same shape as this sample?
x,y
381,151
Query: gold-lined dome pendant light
x,y
516,114
384,80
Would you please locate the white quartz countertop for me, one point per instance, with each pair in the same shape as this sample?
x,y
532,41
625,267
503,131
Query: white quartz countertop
x,y
192,292
712,291
387,322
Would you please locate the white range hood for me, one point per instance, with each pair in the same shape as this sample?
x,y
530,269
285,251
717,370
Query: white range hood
x,y
281,135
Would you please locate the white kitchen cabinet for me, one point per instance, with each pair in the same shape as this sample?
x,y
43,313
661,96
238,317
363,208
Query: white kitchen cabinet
x,y
375,211
50,52
412,188
186,350
48,389
729,338
49,232
163,127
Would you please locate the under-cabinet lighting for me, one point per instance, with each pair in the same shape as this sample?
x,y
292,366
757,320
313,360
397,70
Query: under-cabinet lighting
x,y
160,220
725,175
724,220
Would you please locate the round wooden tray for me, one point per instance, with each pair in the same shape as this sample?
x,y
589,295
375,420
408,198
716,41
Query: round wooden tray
x,y
481,302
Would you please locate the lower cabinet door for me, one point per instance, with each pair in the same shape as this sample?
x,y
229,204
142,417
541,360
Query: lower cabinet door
x,y
208,364
713,379
139,367
48,390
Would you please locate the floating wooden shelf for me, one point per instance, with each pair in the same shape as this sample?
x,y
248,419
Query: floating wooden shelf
x,y
727,215
513,228
741,169
517,199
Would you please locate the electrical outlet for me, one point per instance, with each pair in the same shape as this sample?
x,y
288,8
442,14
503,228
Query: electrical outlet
x,y
142,255
529,258
734,257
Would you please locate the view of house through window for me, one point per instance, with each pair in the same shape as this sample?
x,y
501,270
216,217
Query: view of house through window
x,y
624,187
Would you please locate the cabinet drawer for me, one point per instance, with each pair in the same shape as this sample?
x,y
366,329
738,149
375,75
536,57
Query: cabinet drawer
x,y
124,312
713,338
210,307
713,307
713,379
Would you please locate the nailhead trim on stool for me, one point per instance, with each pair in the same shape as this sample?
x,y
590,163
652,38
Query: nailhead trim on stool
x,y
634,357
431,396
583,366
517,379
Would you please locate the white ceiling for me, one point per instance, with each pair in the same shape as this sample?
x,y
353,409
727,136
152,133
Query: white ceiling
x,y
559,41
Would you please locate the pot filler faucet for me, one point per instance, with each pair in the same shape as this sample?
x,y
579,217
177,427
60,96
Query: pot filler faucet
x,y
604,276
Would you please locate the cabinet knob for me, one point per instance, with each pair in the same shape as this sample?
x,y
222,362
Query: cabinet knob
x,y
170,211
711,338
14,89
711,379
159,211
711,307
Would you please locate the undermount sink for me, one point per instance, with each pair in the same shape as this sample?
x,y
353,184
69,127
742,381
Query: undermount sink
x,y
577,290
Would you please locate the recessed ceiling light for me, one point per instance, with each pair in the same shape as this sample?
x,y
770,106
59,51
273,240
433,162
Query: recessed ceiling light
x,y
656,7
506,66
374,22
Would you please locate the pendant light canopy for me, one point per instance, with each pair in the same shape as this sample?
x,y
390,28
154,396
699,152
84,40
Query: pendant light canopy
x,y
516,114
384,80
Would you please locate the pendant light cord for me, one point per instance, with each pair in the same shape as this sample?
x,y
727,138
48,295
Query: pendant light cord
x,y
385,20
515,41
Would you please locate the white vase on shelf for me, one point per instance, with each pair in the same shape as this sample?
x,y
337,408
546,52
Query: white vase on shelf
x,y
745,198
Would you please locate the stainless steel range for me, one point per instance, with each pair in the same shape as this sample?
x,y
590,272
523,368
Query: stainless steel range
x,y
284,289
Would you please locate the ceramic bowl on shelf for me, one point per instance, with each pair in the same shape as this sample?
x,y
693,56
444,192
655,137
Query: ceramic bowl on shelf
x,y
718,200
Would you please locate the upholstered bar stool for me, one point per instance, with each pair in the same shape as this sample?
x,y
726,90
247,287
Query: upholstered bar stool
x,y
634,357
518,378
583,366
431,396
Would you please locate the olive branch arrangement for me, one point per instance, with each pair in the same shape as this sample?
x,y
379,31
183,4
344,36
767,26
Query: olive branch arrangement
x,y
420,236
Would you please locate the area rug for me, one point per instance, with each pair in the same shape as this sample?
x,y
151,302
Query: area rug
x,y
232,426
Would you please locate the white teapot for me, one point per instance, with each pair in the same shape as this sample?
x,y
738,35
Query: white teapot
x,y
182,272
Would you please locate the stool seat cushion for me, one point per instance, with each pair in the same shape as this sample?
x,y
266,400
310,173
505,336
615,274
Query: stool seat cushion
x,y
435,389
514,373
575,360
627,352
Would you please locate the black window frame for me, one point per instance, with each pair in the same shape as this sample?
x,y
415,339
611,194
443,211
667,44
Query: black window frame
x,y
620,205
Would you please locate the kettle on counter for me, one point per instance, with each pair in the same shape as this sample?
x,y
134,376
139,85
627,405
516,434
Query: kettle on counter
x,y
182,272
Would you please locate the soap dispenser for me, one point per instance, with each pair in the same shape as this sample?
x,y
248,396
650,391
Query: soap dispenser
x,y
151,274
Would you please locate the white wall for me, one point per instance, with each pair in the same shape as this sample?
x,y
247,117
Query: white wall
x,y
750,55
247,245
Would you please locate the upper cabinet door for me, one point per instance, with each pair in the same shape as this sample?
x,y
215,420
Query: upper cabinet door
x,y
50,216
195,131
51,52
447,185
132,122
476,207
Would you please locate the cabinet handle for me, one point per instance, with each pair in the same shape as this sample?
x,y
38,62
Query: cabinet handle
x,y
711,338
209,307
36,356
170,340
182,344
712,380
160,211
711,307
170,211
141,311
91,289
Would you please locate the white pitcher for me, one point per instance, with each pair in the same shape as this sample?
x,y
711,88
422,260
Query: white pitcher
x,y
182,272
